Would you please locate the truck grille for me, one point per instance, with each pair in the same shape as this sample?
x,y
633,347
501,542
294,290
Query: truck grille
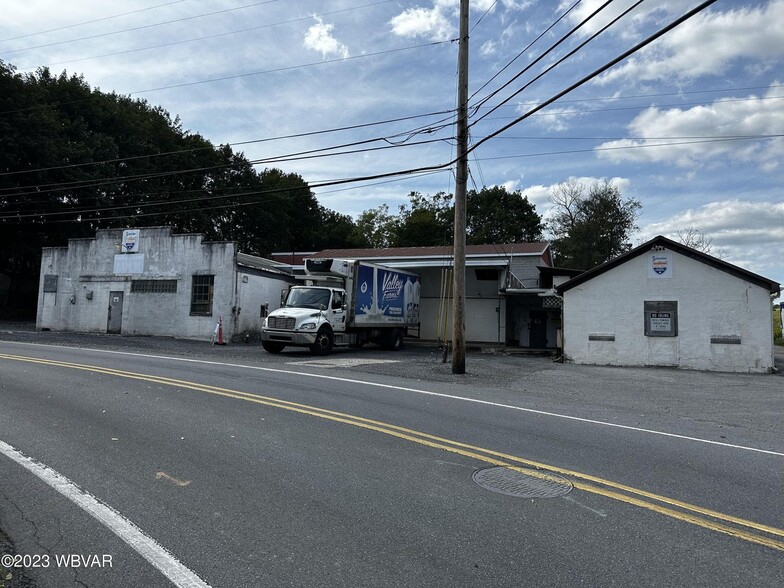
x,y
281,322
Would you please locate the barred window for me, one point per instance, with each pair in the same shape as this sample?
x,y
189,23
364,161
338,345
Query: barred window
x,y
201,295
154,286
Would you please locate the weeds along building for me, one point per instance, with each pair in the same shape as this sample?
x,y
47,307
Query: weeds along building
x,y
150,281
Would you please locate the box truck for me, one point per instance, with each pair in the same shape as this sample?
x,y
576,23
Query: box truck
x,y
345,302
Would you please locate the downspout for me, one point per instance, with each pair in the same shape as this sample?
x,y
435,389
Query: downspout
x,y
235,311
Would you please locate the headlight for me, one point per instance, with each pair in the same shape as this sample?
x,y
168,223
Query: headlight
x,y
307,326
264,326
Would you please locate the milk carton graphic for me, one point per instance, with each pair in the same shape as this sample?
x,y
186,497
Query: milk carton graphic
x,y
415,290
408,303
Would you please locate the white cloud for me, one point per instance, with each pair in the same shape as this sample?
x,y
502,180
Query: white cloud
x,y
440,22
553,118
319,38
708,44
648,11
540,194
488,48
433,23
725,117
511,185
750,233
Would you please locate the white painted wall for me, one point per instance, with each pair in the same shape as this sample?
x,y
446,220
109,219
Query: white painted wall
x,y
711,303
87,265
481,301
251,295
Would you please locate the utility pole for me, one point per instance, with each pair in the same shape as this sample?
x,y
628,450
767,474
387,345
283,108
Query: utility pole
x,y
461,183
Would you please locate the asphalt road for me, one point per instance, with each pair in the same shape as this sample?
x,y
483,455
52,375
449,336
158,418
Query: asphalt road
x,y
357,470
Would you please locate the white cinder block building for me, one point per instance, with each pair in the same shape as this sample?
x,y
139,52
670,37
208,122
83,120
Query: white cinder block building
x,y
665,304
149,281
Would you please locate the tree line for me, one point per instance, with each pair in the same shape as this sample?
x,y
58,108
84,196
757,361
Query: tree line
x,y
74,159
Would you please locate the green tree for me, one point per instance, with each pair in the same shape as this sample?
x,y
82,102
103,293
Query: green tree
x,y
74,159
428,222
593,226
495,215
376,227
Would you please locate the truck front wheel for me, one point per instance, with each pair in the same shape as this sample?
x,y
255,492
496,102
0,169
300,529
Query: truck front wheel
x,y
272,347
323,343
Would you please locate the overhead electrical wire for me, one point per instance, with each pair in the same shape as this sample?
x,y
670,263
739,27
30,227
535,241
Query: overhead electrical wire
x,y
664,30
420,130
11,215
206,37
553,65
527,47
545,53
197,209
139,28
80,184
597,72
238,76
86,22
625,147
432,127
643,106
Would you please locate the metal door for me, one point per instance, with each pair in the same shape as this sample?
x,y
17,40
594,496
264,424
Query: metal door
x,y
114,322
337,312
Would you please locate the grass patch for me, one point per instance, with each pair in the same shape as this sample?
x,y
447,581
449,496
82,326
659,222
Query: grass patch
x,y
778,339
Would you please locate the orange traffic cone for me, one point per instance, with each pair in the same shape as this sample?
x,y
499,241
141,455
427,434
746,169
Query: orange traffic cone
x,y
220,340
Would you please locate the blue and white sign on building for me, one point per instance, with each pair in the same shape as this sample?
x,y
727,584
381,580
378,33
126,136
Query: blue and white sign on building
x,y
660,264
130,241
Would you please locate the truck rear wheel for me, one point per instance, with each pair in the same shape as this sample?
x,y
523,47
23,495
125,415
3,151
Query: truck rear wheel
x,y
272,347
323,343
394,340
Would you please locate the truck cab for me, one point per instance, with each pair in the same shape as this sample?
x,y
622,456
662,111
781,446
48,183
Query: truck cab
x,y
309,316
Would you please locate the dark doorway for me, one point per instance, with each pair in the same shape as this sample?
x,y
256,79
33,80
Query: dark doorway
x,y
537,329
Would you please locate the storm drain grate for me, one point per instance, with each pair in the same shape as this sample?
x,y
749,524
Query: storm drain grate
x,y
531,484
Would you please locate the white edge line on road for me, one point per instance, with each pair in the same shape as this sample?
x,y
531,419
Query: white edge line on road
x,y
417,391
145,546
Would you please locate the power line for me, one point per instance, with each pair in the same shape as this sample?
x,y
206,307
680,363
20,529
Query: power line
x,y
557,63
481,18
237,76
644,43
198,209
531,44
639,107
105,18
6,215
139,28
81,184
248,142
544,104
624,147
215,36
550,49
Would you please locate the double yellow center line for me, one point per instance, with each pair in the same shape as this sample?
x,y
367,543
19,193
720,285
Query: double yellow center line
x,y
751,531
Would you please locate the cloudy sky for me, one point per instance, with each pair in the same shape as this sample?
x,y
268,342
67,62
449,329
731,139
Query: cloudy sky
x,y
691,126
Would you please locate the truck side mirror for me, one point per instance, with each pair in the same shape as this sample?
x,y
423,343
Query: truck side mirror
x,y
283,295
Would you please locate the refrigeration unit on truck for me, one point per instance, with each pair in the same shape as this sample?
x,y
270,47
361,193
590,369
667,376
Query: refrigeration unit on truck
x,y
345,302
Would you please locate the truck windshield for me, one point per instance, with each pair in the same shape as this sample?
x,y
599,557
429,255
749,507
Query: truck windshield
x,y
316,298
